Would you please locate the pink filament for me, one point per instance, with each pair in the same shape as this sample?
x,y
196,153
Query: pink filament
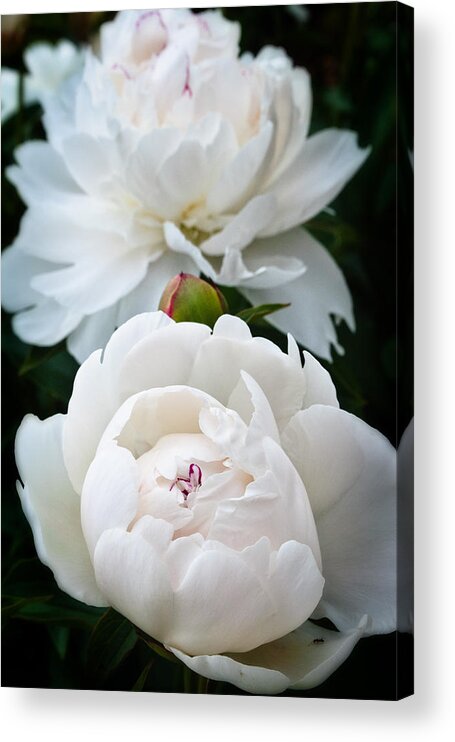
x,y
186,87
188,484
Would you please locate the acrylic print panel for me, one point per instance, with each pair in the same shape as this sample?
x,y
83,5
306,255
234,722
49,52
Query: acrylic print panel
x,y
203,504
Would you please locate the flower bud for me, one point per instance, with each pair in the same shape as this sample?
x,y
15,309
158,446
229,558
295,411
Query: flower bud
x,y
187,298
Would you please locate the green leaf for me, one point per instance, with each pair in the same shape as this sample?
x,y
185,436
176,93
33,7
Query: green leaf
x,y
56,612
254,313
13,604
337,99
235,300
29,578
60,637
336,235
158,648
140,682
36,356
111,640
55,376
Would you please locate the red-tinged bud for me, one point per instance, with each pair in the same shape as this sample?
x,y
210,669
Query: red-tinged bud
x,y
187,298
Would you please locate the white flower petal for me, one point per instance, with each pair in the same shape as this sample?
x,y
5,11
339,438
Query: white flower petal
x,y
17,271
95,396
232,328
128,335
149,415
59,113
278,271
219,361
183,177
176,241
320,388
218,138
239,181
132,575
224,88
316,295
110,493
9,92
176,345
327,161
254,274
290,112
89,410
49,65
243,228
161,505
225,600
219,603
41,174
170,77
299,661
53,508
349,471
95,330
250,402
315,662
78,287
294,350
141,168
41,235
275,504
90,161
226,429
147,295
47,323
212,491
236,599
92,333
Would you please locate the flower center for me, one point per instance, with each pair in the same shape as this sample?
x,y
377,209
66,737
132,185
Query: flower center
x,y
194,235
188,484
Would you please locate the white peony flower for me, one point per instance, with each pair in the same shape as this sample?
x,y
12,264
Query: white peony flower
x,y
170,153
211,490
48,67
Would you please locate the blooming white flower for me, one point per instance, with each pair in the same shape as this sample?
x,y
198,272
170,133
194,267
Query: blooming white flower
x,y
172,153
48,67
212,491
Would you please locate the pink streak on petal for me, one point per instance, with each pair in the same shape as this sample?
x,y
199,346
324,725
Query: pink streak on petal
x,y
150,14
122,69
203,24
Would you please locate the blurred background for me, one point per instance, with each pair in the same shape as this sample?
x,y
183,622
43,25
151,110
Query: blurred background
x,y
360,57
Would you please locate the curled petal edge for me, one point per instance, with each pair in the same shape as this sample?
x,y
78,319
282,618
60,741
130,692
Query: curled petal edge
x,y
302,660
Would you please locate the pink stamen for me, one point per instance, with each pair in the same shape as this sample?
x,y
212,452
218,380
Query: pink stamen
x,y
186,87
189,484
195,475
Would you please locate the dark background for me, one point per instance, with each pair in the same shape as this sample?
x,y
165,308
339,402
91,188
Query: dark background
x,y
360,57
